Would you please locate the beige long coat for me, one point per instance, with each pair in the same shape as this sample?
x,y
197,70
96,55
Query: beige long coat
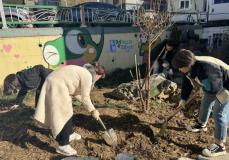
x,y
54,107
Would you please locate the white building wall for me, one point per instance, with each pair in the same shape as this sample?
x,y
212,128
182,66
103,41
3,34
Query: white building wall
x,y
189,14
218,11
132,4
175,6
199,9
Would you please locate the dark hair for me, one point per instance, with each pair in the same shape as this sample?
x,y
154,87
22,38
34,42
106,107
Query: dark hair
x,y
171,42
183,58
99,69
11,84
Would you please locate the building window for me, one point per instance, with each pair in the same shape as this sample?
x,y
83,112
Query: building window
x,y
184,4
220,1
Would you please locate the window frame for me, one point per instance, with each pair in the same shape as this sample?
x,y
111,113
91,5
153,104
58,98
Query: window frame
x,y
220,2
184,1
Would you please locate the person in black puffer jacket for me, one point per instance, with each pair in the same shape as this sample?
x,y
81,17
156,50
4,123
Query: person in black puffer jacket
x,y
161,57
25,80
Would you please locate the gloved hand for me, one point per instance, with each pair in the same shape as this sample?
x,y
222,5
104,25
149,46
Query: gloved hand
x,y
170,72
95,114
165,65
182,103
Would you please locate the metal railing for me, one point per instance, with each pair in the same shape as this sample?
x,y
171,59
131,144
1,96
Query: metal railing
x,y
92,15
19,15
22,15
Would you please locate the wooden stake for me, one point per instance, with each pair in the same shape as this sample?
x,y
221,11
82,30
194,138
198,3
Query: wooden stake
x,y
138,82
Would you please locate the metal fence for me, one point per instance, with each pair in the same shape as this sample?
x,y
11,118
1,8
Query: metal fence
x,y
39,15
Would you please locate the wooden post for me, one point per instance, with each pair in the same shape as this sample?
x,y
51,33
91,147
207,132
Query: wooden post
x,y
4,26
134,16
139,82
82,15
151,4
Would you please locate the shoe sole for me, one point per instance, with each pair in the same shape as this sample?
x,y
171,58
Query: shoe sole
x,y
200,130
75,139
196,130
215,154
64,153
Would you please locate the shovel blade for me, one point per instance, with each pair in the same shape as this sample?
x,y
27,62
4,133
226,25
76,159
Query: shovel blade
x,y
113,135
110,137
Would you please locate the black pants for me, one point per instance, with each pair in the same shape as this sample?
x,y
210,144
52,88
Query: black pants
x,y
21,95
63,137
38,91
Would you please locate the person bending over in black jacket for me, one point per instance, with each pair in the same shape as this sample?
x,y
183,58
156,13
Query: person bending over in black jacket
x,y
25,80
161,57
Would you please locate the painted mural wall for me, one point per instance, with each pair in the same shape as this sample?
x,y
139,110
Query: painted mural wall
x,y
17,53
114,48
119,51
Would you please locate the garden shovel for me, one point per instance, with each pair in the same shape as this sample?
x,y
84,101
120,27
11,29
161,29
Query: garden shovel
x,y
177,110
109,136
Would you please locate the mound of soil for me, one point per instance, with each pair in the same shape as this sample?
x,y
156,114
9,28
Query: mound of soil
x,y
138,133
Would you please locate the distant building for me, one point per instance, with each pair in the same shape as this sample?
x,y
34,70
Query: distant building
x,y
75,2
212,17
48,2
203,11
133,4
13,1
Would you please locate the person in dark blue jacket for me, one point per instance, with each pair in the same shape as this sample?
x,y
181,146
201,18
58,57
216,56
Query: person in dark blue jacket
x,y
213,75
161,57
25,80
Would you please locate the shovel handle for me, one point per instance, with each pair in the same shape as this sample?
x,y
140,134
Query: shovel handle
x,y
101,122
180,107
174,113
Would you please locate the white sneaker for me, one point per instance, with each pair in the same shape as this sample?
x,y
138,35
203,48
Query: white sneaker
x,y
66,150
214,150
74,136
196,128
14,107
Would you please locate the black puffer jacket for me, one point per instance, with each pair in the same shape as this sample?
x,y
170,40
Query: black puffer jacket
x,y
157,50
211,72
32,77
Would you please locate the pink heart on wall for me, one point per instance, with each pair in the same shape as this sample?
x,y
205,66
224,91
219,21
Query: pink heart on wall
x,y
7,47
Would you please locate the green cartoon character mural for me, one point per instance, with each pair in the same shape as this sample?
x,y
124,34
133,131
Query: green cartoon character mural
x,y
54,52
76,47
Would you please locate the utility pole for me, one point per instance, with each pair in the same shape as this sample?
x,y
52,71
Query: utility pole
x,y
4,26
151,4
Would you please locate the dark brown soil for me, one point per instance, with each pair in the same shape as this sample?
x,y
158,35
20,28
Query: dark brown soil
x,y
20,138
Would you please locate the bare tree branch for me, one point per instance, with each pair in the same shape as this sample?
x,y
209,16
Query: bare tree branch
x,y
152,24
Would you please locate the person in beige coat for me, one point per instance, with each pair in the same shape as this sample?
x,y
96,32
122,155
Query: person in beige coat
x,y
54,108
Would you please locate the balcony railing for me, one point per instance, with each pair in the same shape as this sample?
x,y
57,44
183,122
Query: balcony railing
x,y
18,15
23,15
